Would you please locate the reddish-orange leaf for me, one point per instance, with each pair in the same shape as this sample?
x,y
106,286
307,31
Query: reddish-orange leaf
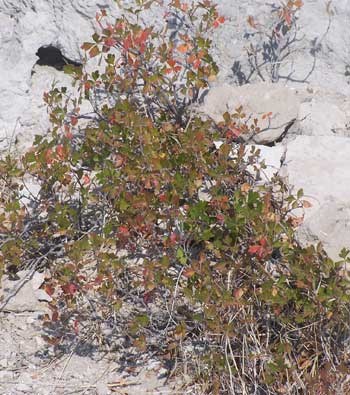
x,y
69,135
196,63
261,250
94,51
142,37
76,326
48,156
162,197
173,238
233,132
286,16
110,42
251,22
49,289
86,179
218,21
60,151
127,43
184,48
123,231
69,289
220,218
189,272
87,46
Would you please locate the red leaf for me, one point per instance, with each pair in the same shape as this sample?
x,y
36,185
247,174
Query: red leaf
x,y
76,326
54,316
218,21
123,231
196,63
69,135
86,179
60,152
220,218
48,156
69,289
261,250
148,296
110,42
173,238
127,43
49,289
162,197
142,37
233,133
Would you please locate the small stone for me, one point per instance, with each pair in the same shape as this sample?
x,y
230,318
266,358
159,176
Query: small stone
x,y
20,296
162,372
43,296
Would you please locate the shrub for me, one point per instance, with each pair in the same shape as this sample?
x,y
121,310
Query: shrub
x,y
150,224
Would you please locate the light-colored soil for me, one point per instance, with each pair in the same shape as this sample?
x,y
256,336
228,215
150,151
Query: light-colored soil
x,y
28,365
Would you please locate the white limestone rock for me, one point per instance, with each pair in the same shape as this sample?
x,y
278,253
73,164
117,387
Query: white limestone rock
x,y
320,166
273,158
19,295
322,113
27,26
256,100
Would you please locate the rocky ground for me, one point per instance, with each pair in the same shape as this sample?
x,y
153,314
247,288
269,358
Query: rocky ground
x,y
29,365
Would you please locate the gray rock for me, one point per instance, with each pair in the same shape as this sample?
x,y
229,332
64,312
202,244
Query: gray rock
x,y
320,165
272,158
20,295
256,100
42,296
37,280
324,113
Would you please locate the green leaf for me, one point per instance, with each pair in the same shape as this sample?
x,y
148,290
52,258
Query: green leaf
x,y
180,255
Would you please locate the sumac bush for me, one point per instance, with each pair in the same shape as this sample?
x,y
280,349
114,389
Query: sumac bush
x,y
152,219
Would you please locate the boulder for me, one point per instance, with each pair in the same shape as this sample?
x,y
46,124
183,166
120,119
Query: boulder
x,y
23,294
320,166
323,113
272,157
256,100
